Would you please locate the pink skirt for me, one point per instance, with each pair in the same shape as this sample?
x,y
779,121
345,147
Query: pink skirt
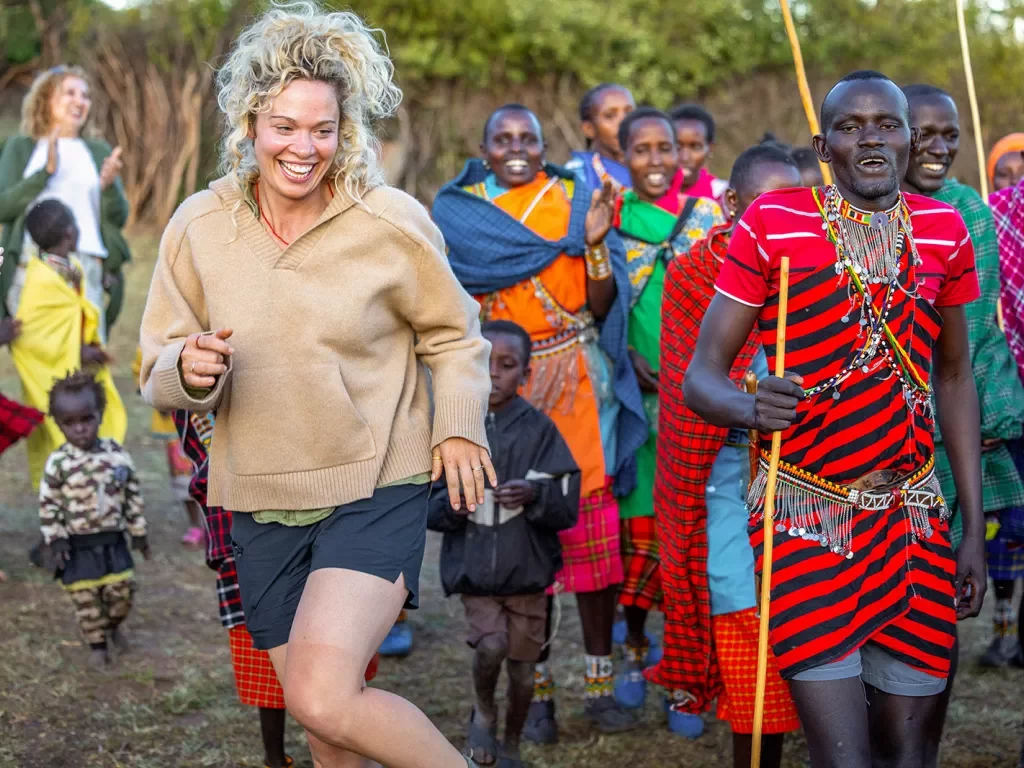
x,y
591,555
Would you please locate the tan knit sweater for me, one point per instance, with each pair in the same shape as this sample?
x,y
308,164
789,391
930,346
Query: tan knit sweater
x,y
327,396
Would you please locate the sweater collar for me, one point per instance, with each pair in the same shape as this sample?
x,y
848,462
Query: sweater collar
x,y
261,242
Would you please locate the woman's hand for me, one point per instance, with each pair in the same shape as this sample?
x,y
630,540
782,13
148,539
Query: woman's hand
x,y
52,151
466,466
204,358
646,377
111,168
600,216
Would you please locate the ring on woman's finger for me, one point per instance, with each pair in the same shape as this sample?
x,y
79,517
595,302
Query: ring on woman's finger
x,y
192,369
477,469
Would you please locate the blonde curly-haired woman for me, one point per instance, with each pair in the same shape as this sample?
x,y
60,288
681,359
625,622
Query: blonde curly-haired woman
x,y
52,159
304,300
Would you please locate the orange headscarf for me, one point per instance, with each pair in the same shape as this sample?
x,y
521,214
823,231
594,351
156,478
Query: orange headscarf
x,y
1012,143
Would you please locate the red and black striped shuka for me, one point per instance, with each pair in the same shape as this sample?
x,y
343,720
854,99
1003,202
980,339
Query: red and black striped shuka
x,y
897,590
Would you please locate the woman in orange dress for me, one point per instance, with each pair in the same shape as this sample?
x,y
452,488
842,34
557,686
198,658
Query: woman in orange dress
x,y
532,243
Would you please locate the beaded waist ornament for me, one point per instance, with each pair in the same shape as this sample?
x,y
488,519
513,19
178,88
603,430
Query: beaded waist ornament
x,y
816,509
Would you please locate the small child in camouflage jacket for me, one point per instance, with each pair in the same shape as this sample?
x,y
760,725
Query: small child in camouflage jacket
x,y
88,497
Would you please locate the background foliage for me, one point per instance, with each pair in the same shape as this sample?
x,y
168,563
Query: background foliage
x,y
457,61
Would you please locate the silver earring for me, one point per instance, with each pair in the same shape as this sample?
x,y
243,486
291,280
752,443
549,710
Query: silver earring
x,y
487,165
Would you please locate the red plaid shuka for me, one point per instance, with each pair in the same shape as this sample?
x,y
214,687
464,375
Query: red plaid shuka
x,y
641,587
218,519
687,447
16,421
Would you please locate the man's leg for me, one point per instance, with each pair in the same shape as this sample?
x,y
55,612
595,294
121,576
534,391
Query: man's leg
x,y
834,714
520,691
541,725
771,749
900,728
1004,644
937,722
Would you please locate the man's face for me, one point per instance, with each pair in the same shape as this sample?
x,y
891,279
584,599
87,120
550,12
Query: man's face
x,y
868,140
937,119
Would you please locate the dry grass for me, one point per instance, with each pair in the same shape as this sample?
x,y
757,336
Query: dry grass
x,y
171,701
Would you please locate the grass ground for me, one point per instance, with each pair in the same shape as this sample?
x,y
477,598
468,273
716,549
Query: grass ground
x,y
171,702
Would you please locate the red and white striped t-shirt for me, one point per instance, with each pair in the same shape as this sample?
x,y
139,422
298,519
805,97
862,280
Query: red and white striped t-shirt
x,y
864,424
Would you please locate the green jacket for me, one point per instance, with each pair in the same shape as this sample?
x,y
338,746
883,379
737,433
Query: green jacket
x,y
17,193
1000,395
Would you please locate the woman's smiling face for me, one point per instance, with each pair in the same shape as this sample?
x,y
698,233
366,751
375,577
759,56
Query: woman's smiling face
x,y
70,104
514,146
296,139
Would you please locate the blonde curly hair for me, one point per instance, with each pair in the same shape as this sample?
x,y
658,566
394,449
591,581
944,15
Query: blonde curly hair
x,y
36,112
302,41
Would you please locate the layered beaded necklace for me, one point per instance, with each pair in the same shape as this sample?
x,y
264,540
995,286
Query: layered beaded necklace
x,y
869,250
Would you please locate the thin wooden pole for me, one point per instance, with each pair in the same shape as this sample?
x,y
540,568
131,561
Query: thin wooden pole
x,y
768,527
801,81
979,141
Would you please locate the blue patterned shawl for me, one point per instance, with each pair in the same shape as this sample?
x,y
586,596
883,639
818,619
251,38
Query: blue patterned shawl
x,y
489,250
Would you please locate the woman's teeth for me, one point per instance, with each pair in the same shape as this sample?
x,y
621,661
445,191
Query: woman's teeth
x,y
934,167
297,171
516,166
656,179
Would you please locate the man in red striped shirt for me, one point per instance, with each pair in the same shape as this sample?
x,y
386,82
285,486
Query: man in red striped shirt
x,y
865,588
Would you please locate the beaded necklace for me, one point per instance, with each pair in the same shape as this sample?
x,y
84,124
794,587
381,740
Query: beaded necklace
x,y
881,348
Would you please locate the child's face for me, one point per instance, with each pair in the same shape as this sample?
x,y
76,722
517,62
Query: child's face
x,y
509,370
78,416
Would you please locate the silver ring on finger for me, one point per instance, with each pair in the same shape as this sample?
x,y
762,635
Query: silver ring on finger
x,y
192,369
477,469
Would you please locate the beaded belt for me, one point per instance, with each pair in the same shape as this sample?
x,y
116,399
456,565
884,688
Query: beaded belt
x,y
816,509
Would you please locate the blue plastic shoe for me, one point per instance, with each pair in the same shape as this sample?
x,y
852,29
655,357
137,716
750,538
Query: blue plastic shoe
x,y
398,642
631,687
683,723
654,653
619,632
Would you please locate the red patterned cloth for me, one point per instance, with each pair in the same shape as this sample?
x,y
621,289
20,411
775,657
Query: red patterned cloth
x,y
16,421
642,585
736,637
591,560
1008,213
687,447
255,677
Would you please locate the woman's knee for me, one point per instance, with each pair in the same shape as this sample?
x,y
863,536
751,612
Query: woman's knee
x,y
324,708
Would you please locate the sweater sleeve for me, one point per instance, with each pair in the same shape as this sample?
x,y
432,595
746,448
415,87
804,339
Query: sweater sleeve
x,y
175,309
448,341
16,193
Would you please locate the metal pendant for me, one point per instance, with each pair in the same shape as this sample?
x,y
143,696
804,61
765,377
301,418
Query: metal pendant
x,y
879,221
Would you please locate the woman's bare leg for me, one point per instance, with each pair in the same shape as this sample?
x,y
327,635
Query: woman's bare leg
x,y
341,621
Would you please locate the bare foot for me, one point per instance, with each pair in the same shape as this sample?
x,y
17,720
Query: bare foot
x,y
98,657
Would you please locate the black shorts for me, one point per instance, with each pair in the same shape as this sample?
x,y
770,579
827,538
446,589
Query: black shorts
x,y
383,536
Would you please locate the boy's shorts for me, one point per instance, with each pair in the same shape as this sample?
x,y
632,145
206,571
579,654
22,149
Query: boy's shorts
x,y
877,668
520,619
735,636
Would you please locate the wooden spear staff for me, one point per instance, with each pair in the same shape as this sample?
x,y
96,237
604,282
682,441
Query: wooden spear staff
x,y
768,527
801,81
979,142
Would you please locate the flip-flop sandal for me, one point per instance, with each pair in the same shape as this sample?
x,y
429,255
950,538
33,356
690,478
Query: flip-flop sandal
x,y
288,762
479,738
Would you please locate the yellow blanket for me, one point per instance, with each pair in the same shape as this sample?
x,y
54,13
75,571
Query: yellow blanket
x,y
55,322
